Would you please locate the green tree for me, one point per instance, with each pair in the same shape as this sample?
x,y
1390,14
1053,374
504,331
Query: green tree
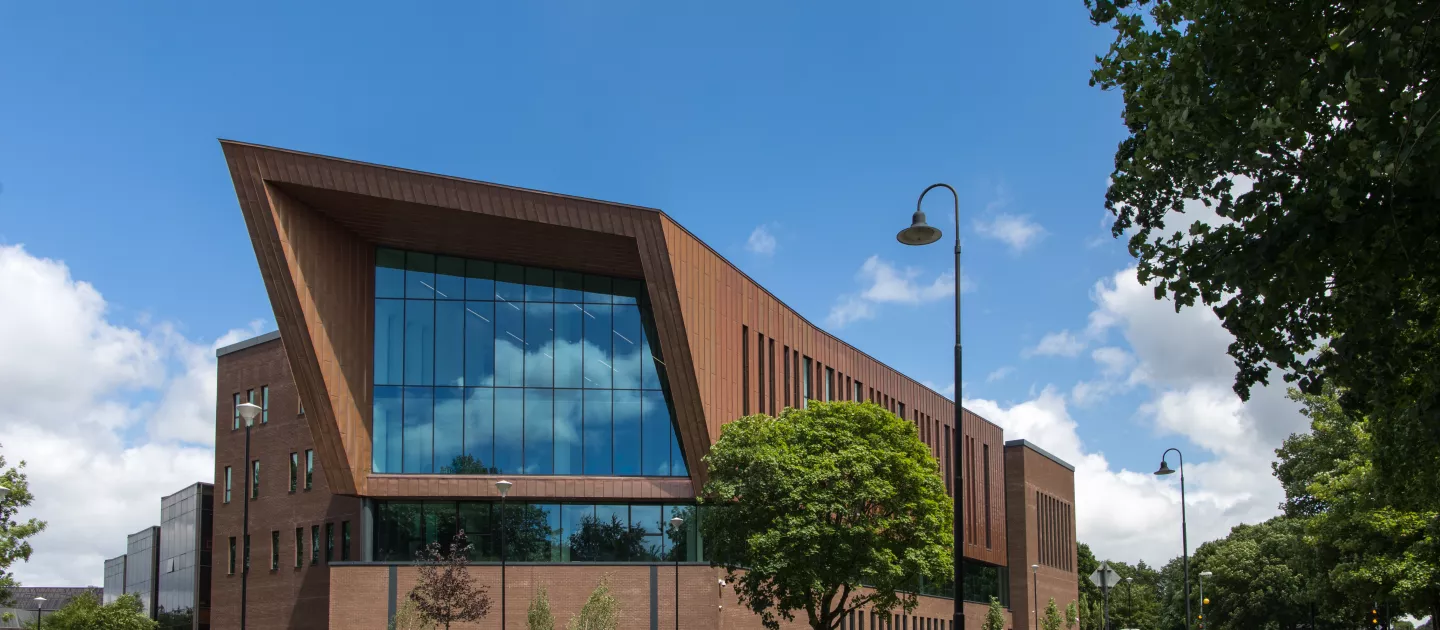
x,y
14,534
409,617
1259,579
600,612
85,612
1072,616
994,617
443,590
817,502
1310,129
1051,620
538,617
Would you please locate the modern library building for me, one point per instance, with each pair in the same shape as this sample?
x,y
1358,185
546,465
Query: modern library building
x,y
438,335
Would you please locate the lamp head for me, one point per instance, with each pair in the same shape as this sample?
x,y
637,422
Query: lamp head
x,y
4,492
919,232
1034,568
1206,574
504,487
249,411
1164,468
676,523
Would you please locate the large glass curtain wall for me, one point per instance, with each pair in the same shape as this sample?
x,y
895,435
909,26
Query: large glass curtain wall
x,y
536,532
485,367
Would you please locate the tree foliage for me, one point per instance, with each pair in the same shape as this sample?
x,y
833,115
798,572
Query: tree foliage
x,y
444,593
1051,620
819,501
85,612
409,617
538,616
994,617
14,534
600,612
1072,614
1311,130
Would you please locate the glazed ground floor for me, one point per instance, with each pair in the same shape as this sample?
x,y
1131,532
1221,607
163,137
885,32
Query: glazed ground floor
x,y
364,596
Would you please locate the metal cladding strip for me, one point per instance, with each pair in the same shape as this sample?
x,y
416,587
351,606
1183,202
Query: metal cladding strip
x,y
390,601
654,598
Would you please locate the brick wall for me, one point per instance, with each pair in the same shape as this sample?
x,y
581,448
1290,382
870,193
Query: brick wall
x,y
1028,471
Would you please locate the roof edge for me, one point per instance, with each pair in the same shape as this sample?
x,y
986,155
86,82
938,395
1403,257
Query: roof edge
x,y
1031,445
248,343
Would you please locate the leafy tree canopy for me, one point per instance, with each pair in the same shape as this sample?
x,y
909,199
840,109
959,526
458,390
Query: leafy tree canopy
x,y
14,534
85,612
443,592
819,501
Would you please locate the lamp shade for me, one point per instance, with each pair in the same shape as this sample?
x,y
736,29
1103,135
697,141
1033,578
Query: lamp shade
x,y
1164,468
919,232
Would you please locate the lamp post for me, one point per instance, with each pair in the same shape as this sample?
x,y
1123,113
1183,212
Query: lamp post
x,y
675,524
249,412
504,488
920,233
1130,600
1035,592
1203,575
1184,535
39,612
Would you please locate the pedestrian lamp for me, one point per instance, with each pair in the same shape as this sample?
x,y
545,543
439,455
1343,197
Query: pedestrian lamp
x,y
675,524
1130,598
249,412
1203,600
504,488
4,492
1035,591
39,612
1184,536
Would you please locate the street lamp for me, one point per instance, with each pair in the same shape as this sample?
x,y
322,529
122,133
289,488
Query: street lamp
x,y
1130,600
504,488
249,412
1203,575
675,524
921,233
39,612
1035,592
1184,535
4,492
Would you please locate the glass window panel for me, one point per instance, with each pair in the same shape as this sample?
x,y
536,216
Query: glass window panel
x,y
419,342
626,339
419,275
539,345
615,540
573,519
509,344
479,343
656,434
646,517
476,519
598,290
479,280
389,343
568,411
509,282
626,409
650,364
389,273
598,436
539,285
569,287
598,344
539,432
398,534
450,343
569,345
479,431
627,291
677,457
387,427
449,430
440,523
419,430
509,429
449,278
532,531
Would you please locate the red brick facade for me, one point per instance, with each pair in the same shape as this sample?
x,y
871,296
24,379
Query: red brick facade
x,y
1040,498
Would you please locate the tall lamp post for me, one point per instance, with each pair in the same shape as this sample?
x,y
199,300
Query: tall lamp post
x,y
39,612
1035,592
920,233
1130,600
675,524
249,412
1184,535
1203,575
504,488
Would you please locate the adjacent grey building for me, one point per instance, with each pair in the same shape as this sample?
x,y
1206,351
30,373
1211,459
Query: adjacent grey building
x,y
24,609
142,559
184,559
114,578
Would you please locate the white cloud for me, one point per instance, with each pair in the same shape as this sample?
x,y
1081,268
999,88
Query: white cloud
x,y
107,418
1057,344
1017,231
883,283
761,241
1112,360
948,390
999,373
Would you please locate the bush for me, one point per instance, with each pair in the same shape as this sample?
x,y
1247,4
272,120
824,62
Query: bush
x,y
539,616
600,612
409,617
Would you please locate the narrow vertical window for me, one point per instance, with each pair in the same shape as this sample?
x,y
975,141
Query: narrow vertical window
x,y
299,547
859,392
235,407
309,468
294,470
246,567
255,479
987,495
344,540
772,377
275,550
745,370
949,479
809,393
785,359
227,484
829,384
314,544
329,542
760,372
250,395
264,404
902,411
795,357
231,569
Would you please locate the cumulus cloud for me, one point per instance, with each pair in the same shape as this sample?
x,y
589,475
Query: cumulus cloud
x,y
1057,344
1016,231
884,283
108,418
761,241
999,373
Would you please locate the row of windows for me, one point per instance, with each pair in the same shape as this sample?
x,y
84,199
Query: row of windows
x,y
264,403
294,475
978,494
1053,531
299,547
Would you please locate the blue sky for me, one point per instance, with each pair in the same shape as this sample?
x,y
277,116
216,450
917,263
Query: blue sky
x,y
815,124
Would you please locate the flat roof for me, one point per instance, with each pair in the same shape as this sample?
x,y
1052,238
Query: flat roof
x,y
1031,445
248,343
